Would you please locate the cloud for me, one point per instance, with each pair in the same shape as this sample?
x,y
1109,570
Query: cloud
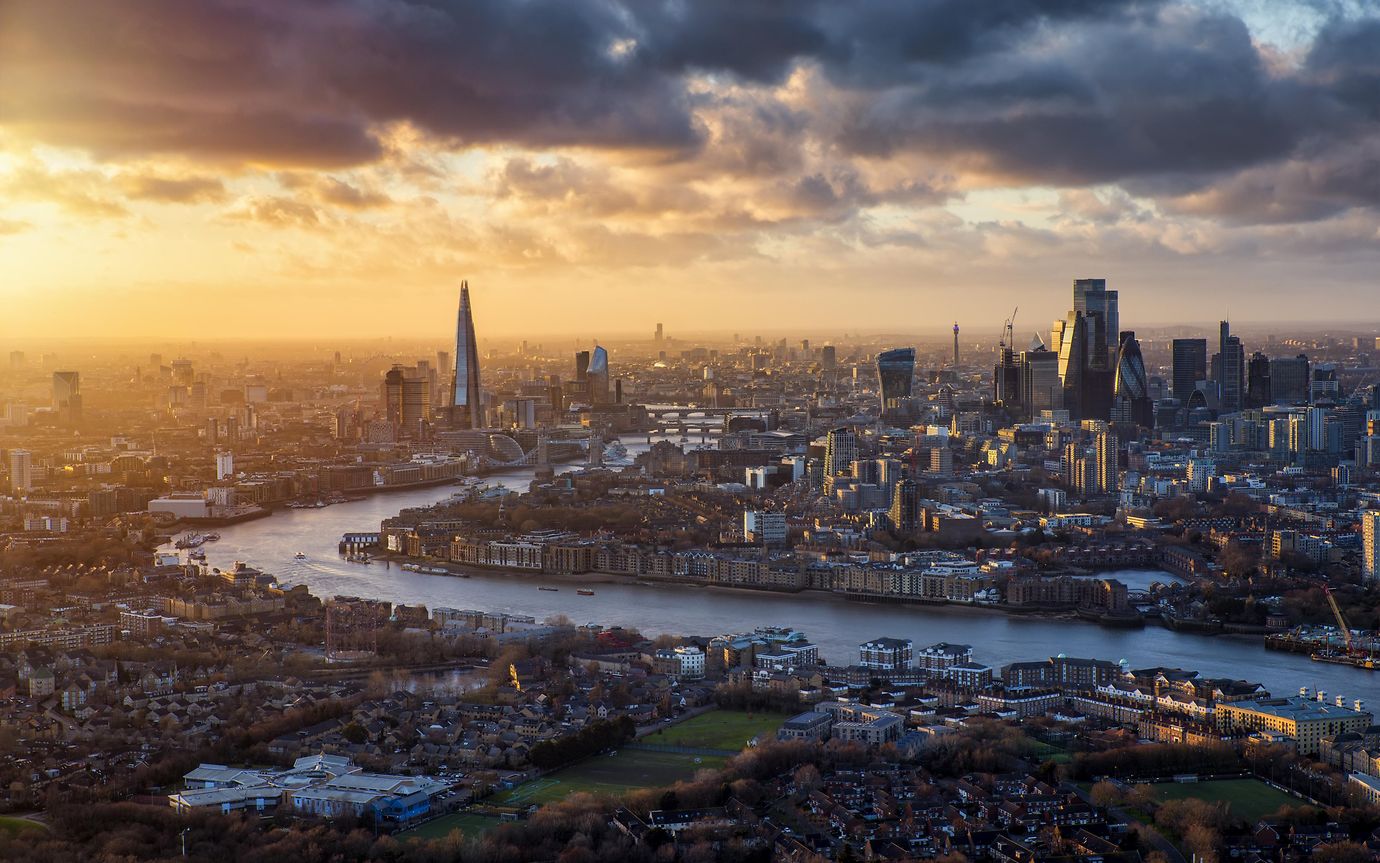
x,y
680,133
276,210
172,190
81,192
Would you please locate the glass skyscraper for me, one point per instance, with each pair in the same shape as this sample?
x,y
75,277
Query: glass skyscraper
x,y
895,372
1190,366
466,405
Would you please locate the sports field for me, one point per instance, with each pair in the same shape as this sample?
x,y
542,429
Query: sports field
x,y
15,826
719,729
472,825
1250,799
612,774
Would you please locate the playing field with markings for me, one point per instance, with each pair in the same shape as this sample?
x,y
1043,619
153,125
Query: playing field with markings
x,y
719,729
611,775
1250,799
470,824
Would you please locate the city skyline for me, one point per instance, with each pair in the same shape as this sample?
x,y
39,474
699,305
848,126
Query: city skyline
x,y
760,158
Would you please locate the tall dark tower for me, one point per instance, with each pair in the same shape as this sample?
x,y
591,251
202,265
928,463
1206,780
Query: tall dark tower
x,y
467,408
955,344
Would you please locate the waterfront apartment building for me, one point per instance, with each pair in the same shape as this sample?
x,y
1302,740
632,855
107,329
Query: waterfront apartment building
x,y
886,654
1303,721
938,658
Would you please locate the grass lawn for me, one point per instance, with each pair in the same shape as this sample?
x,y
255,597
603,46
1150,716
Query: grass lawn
x,y
1042,751
471,824
15,826
719,729
1250,799
609,774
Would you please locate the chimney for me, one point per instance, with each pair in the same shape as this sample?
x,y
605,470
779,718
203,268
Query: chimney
x,y
1340,701
1322,697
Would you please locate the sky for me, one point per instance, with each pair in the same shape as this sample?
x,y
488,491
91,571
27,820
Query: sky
x,y
335,168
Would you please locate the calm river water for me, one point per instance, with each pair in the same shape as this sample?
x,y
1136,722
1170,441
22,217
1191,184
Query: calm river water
x,y
837,626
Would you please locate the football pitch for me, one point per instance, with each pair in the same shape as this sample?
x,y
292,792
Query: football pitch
x,y
612,775
729,730
1250,799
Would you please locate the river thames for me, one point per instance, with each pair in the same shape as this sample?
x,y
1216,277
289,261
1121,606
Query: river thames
x,y
836,625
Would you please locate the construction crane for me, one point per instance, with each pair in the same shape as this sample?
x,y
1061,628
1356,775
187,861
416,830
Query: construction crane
x,y
1337,613
1008,337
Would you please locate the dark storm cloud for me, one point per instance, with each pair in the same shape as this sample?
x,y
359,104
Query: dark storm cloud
x,y
1168,98
1103,103
311,83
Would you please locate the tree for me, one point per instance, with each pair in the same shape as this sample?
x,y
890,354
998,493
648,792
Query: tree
x,y
1106,793
355,733
1341,852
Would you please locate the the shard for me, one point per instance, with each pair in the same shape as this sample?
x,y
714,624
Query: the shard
x,y
467,409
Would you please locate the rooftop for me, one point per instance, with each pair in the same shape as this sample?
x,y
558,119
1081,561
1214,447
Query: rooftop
x,y
1299,709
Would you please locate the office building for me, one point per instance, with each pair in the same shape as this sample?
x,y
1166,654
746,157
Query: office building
x,y
1099,305
1189,367
1230,367
1370,545
597,374
1086,343
1258,388
21,471
1131,386
1041,387
1290,378
467,402
1323,384
1073,361
67,396
895,375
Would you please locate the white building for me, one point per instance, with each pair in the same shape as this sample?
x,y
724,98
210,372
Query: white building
x,y
691,661
225,465
765,526
21,471
182,505
1199,472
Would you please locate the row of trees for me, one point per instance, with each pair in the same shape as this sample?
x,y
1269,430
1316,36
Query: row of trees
x,y
590,740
